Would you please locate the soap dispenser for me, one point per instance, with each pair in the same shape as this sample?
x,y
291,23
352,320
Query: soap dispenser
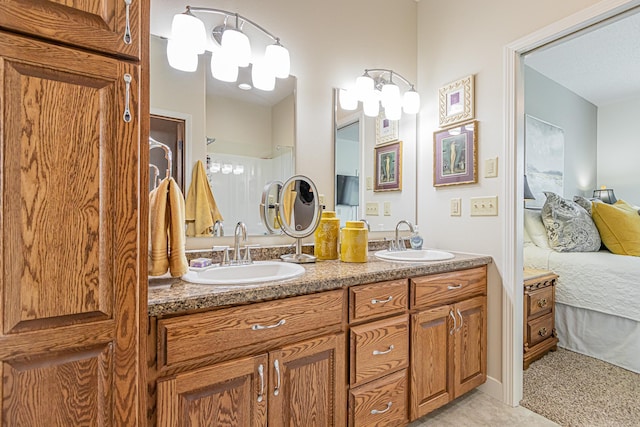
x,y
416,240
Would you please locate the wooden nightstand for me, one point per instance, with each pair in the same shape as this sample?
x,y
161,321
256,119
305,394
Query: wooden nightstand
x,y
539,311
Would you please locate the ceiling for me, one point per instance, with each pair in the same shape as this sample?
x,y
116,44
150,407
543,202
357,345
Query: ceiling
x,y
601,65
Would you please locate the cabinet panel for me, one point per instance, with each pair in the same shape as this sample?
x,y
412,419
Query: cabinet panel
x,y
445,288
380,403
97,24
539,301
378,348
539,329
431,360
230,394
470,345
377,300
308,383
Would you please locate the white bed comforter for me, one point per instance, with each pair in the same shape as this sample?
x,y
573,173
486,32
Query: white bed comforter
x,y
599,281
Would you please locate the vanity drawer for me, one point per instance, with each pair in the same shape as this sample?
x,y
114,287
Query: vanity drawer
x,y
378,348
377,299
252,327
380,403
445,288
539,329
539,301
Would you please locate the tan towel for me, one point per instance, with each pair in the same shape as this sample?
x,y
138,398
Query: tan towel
x,y
201,209
166,229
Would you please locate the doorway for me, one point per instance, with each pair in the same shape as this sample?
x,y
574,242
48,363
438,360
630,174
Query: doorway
x,y
169,131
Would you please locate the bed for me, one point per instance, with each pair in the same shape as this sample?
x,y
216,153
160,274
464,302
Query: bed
x,y
597,297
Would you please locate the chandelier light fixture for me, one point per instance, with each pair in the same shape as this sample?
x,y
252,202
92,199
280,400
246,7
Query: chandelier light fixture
x,y
230,48
375,88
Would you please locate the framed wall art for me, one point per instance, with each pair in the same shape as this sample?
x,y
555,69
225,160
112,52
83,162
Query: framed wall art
x,y
455,155
388,167
456,103
386,130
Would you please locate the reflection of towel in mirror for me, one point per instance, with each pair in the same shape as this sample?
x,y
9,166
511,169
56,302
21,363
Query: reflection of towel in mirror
x,y
166,230
288,201
201,211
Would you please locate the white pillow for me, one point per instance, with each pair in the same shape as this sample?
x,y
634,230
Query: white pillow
x,y
534,226
526,239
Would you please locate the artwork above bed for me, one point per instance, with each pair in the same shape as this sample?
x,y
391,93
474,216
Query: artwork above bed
x,y
544,163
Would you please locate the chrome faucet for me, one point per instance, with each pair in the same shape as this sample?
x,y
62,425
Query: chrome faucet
x,y
366,223
218,229
239,232
396,243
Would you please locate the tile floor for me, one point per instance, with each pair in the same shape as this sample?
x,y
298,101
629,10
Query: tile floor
x,y
476,409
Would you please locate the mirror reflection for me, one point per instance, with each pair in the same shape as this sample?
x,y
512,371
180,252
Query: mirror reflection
x,y
245,137
357,140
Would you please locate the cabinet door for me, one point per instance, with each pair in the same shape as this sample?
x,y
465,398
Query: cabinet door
x,y
470,369
99,25
308,383
227,394
431,360
69,253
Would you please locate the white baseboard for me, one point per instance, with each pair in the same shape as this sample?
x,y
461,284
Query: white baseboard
x,y
493,388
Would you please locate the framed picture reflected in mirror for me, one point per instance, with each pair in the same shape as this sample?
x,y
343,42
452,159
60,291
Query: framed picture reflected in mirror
x,y
388,167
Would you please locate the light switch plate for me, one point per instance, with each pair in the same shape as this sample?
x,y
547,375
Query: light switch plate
x,y
372,209
456,207
387,208
369,183
491,168
321,198
484,206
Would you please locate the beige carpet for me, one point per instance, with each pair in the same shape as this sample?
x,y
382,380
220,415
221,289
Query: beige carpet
x,y
576,390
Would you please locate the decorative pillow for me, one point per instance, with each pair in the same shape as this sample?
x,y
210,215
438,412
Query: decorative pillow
x,y
526,239
569,227
619,226
535,228
584,202
627,206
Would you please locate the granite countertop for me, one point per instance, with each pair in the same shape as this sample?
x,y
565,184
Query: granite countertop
x,y
182,297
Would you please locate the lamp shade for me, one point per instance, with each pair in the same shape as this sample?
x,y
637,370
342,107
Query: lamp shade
x,y
237,46
180,58
262,75
364,87
390,96
606,195
528,194
411,102
371,105
393,112
189,32
348,100
222,68
277,56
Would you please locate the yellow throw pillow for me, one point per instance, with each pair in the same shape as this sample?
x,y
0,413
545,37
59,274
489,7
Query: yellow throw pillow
x,y
619,227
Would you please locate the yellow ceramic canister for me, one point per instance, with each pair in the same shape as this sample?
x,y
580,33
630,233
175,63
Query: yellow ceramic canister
x,y
326,236
354,244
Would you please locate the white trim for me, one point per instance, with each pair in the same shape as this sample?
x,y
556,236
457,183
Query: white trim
x,y
493,388
513,132
188,137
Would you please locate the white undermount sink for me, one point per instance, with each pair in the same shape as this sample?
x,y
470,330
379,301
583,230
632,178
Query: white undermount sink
x,y
414,255
259,271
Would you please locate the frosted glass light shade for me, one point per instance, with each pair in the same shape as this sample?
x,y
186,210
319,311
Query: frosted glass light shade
x,y
364,87
277,56
189,32
393,112
262,76
348,99
371,105
390,96
180,58
222,68
237,46
411,102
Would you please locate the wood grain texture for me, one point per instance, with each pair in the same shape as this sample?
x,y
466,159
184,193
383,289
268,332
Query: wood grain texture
x,y
389,338
444,288
470,361
377,300
388,394
539,315
95,24
313,384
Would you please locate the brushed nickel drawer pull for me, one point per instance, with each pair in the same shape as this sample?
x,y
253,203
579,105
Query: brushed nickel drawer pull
x,y
276,365
542,302
261,327
376,411
127,113
378,352
455,322
261,373
542,332
453,288
461,319
127,27
381,301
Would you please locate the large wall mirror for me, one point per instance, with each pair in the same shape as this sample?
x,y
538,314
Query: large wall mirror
x,y
245,137
358,176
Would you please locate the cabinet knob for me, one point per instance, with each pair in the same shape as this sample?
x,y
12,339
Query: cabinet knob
x,y
542,332
542,302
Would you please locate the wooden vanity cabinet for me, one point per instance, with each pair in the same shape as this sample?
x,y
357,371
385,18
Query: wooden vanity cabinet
x,y
271,363
448,337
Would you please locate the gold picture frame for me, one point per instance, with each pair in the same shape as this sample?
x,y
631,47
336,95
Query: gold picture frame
x,y
388,167
456,101
455,155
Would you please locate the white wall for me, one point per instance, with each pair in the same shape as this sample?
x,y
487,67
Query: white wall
x,y
619,149
457,38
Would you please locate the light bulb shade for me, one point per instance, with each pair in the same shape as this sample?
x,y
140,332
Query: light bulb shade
x,y
606,195
222,68
393,112
364,87
277,56
348,100
189,32
371,105
237,46
262,76
411,102
180,58
390,96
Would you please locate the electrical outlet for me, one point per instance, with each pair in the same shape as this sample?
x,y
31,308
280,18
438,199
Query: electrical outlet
x,y
369,183
372,209
491,168
456,207
484,206
387,208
